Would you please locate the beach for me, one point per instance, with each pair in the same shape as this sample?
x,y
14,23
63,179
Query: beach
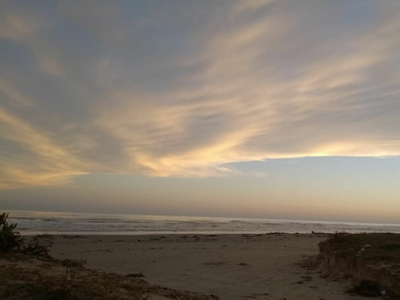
x,y
230,266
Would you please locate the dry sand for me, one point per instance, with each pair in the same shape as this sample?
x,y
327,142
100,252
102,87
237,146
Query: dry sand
x,y
231,267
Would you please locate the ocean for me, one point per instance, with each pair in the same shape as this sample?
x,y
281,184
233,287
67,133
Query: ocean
x,y
39,222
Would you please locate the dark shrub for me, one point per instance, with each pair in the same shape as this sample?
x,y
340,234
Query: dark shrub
x,y
9,239
35,248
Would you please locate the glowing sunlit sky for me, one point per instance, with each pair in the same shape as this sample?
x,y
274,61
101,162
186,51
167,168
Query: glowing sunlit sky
x,y
253,108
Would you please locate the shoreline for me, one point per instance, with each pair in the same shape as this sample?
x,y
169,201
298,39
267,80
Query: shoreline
x,y
157,233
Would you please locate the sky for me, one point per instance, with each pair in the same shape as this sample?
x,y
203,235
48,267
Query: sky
x,y
248,108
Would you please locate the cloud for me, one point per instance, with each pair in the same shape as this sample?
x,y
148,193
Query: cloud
x,y
244,5
16,97
36,161
159,95
26,29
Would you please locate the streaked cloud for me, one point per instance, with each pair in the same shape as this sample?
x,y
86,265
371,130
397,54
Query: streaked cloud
x,y
251,5
187,89
28,30
32,158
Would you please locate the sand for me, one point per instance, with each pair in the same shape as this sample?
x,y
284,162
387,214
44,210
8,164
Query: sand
x,y
232,267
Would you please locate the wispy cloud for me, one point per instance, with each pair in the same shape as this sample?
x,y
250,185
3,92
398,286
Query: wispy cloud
x,y
27,30
28,157
242,6
175,96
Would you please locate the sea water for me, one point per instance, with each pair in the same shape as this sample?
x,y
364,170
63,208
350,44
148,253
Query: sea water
x,y
39,222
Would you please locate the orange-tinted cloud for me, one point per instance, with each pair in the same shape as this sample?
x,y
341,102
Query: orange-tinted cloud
x,y
165,95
